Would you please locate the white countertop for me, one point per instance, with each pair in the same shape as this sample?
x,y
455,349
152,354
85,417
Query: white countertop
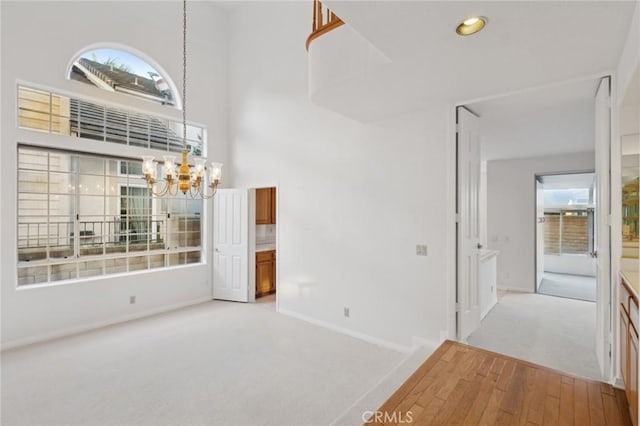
x,y
265,246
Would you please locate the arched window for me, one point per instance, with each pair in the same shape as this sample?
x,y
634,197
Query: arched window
x,y
117,70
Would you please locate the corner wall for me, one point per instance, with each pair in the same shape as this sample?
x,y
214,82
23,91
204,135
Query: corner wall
x,y
511,212
354,199
39,39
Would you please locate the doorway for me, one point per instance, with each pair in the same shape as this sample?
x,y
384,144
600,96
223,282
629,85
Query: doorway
x,y
265,245
565,235
522,136
244,246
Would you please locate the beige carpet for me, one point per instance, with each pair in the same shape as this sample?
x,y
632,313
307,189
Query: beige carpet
x,y
216,364
551,331
572,286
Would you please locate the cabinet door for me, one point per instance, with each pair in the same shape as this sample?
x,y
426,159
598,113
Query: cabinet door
x,y
273,205
264,274
633,375
624,344
263,206
273,272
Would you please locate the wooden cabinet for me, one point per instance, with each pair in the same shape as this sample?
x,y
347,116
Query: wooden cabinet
x,y
265,272
265,206
624,338
629,347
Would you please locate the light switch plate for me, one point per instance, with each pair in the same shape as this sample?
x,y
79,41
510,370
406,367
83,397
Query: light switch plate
x,y
421,250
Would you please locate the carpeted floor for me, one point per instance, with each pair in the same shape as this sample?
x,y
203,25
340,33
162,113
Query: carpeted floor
x,y
571,286
216,363
551,331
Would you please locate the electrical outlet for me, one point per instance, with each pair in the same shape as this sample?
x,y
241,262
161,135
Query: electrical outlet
x,y
346,312
132,300
421,250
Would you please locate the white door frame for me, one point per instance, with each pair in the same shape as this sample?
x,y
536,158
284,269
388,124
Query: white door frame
x,y
612,370
535,229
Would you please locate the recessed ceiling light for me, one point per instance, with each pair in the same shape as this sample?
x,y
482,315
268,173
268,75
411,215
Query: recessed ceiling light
x,y
471,25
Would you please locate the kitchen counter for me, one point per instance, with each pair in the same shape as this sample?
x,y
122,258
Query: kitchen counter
x,y
632,278
265,247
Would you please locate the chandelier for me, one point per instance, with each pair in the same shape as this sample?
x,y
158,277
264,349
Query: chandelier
x,y
183,178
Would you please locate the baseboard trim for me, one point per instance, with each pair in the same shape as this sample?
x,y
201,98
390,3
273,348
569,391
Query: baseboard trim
x,y
375,397
348,332
618,383
66,332
516,289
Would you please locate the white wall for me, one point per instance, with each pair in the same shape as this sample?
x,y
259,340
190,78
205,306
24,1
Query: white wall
x,y
39,39
354,199
511,212
630,57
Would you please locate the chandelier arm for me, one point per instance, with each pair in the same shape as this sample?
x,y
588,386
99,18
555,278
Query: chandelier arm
x,y
205,196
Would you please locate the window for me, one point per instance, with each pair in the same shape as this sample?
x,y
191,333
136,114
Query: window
x,y
71,116
568,231
83,215
115,70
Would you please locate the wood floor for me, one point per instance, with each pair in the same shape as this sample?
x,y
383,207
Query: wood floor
x,y
461,384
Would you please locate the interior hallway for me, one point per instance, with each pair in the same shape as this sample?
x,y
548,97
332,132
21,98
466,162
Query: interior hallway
x,y
214,363
551,331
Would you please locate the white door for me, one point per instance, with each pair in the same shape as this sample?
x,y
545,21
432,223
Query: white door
x,y
468,225
602,228
539,232
231,245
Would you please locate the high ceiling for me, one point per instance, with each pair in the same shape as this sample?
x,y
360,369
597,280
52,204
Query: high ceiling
x,y
556,119
525,44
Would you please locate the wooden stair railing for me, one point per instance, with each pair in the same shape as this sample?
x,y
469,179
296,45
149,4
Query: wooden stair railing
x,y
324,20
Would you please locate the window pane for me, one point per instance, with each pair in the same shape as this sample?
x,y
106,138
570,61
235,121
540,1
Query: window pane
x,y
90,207
176,259
116,126
32,181
91,268
32,204
32,275
54,113
34,109
575,233
156,261
138,263
115,266
193,257
66,271
91,165
125,72
61,232
32,159
551,233
139,131
60,113
62,183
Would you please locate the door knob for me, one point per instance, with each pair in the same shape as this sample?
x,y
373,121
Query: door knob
x,y
479,246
